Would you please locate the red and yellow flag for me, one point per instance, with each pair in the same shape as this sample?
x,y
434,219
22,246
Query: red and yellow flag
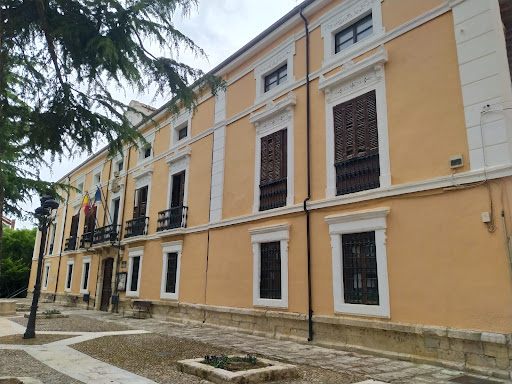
x,y
86,204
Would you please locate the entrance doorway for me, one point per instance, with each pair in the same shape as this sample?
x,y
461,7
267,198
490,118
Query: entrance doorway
x,y
106,291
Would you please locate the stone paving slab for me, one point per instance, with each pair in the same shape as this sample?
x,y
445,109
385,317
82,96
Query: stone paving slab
x,y
380,369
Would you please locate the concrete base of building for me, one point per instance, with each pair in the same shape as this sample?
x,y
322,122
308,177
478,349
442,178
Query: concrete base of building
x,y
482,353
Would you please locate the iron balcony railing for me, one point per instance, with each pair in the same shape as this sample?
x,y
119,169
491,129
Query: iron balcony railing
x,y
357,174
136,227
273,194
176,217
70,243
86,240
106,234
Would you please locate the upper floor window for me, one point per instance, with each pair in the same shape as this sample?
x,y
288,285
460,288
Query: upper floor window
x,y
354,33
356,145
120,166
275,78
182,133
147,151
273,170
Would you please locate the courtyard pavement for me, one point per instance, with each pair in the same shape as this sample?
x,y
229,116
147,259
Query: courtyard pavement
x,y
62,358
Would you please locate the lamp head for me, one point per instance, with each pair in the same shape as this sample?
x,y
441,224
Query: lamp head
x,y
51,204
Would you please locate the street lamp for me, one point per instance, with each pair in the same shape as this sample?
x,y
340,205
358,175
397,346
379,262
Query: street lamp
x,y
44,214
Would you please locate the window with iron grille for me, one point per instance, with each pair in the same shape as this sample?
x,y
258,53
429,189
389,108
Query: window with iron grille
x,y
172,266
134,281
275,78
354,33
270,270
69,276
85,283
360,282
356,145
273,171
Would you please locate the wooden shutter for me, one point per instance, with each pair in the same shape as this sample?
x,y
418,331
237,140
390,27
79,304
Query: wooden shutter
x,y
356,144
141,198
90,221
74,225
178,189
273,157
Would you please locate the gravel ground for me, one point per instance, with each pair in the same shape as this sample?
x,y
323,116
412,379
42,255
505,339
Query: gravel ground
x,y
72,323
38,340
154,356
20,363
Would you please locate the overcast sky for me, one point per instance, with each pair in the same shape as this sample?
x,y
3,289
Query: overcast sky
x,y
220,27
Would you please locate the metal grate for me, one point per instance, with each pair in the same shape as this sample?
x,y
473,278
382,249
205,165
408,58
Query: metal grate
x,y
172,267
360,281
172,218
356,145
273,194
270,281
136,227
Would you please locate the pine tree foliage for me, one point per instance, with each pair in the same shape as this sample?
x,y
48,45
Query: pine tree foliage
x,y
59,61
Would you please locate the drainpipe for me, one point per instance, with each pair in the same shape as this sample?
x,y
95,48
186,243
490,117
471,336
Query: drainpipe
x,y
308,235
62,241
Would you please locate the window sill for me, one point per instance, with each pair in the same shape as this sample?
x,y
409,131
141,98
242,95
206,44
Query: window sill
x,y
271,303
134,294
67,289
169,296
362,310
84,291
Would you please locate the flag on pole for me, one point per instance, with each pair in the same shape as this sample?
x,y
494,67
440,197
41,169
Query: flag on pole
x,y
86,203
97,196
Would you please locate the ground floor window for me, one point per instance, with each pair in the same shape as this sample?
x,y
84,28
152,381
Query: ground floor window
x,y
86,269
171,269
69,275
359,262
46,275
134,271
270,265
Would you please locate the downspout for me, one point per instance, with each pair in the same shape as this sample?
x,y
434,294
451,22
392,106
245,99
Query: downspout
x,y
62,241
308,156
105,206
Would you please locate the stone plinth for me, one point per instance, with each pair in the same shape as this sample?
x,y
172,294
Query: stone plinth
x,y
7,307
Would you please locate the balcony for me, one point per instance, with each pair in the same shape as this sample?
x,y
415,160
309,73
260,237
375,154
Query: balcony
x,y
86,240
175,217
357,174
136,227
273,194
71,243
106,234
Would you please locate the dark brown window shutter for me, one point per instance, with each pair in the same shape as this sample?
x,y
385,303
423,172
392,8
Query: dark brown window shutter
x,y
178,189
273,171
141,198
90,221
74,225
356,144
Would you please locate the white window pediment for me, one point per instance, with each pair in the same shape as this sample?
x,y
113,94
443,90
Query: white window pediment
x,y
275,59
142,177
179,161
354,76
342,17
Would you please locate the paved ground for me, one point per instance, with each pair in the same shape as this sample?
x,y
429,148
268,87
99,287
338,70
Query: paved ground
x,y
60,357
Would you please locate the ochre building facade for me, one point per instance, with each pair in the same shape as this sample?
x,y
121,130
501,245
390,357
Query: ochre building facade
x,y
375,197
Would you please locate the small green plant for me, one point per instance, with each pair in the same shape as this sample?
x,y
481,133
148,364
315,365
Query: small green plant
x,y
51,312
223,361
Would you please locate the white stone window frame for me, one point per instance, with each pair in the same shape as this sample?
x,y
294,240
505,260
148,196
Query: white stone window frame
x,y
356,79
357,222
179,121
113,197
97,173
69,279
269,234
85,260
281,55
46,276
150,141
343,16
143,178
275,117
171,247
178,162
134,252
116,161
80,181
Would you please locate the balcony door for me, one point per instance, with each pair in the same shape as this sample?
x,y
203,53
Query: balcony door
x,y
140,203
178,189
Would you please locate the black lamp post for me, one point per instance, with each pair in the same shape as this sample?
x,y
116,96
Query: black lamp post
x,y
44,214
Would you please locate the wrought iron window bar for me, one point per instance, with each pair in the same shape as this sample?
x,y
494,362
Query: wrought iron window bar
x,y
270,284
176,217
71,243
273,194
136,227
106,234
357,174
86,240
